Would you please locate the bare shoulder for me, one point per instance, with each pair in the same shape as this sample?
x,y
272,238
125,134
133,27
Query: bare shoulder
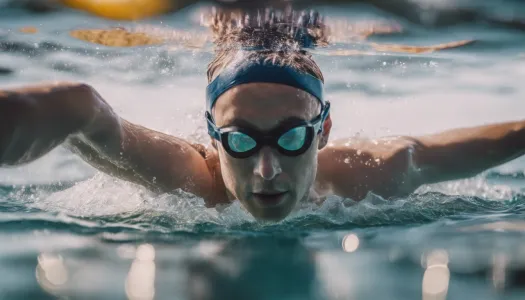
x,y
219,194
355,166
171,162
195,165
161,162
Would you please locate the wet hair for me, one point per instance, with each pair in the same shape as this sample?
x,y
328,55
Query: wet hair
x,y
282,37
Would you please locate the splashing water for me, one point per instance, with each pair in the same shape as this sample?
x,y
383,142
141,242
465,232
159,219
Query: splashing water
x,y
105,201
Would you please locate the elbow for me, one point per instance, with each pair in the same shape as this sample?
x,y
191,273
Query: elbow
x,y
412,169
81,87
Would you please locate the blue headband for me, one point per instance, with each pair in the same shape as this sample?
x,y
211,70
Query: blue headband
x,y
260,71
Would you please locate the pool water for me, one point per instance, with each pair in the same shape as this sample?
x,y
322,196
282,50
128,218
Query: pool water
x,y
70,232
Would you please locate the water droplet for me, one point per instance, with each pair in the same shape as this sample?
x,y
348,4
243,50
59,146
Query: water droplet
x,y
359,152
347,160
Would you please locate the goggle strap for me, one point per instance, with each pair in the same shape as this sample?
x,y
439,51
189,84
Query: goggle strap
x,y
213,131
324,115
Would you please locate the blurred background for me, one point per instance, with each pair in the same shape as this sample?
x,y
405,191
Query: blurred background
x,y
426,12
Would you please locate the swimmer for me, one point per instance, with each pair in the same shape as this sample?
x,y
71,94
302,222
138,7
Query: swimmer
x,y
269,124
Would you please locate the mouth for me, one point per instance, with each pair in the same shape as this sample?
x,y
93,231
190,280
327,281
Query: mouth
x,y
269,199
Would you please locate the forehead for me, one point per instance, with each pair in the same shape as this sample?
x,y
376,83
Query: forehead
x,y
264,105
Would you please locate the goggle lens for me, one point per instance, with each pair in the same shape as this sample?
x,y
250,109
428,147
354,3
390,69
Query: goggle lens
x,y
240,142
293,139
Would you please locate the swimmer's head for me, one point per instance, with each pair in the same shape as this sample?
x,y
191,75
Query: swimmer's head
x,y
268,132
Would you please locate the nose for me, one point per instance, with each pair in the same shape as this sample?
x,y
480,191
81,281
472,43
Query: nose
x,y
267,165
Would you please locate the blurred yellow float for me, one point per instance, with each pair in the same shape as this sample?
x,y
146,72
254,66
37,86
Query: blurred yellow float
x,y
115,37
124,9
28,29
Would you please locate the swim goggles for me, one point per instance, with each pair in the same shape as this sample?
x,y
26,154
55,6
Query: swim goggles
x,y
291,138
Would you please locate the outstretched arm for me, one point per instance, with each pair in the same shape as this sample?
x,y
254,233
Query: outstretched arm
x,y
399,165
34,120
465,152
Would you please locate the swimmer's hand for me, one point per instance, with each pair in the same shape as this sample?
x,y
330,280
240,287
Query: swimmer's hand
x,y
34,120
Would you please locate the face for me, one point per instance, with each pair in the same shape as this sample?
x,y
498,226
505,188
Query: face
x,y
268,184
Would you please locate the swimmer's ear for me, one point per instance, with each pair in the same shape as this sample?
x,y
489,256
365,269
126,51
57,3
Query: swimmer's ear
x,y
214,143
327,126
